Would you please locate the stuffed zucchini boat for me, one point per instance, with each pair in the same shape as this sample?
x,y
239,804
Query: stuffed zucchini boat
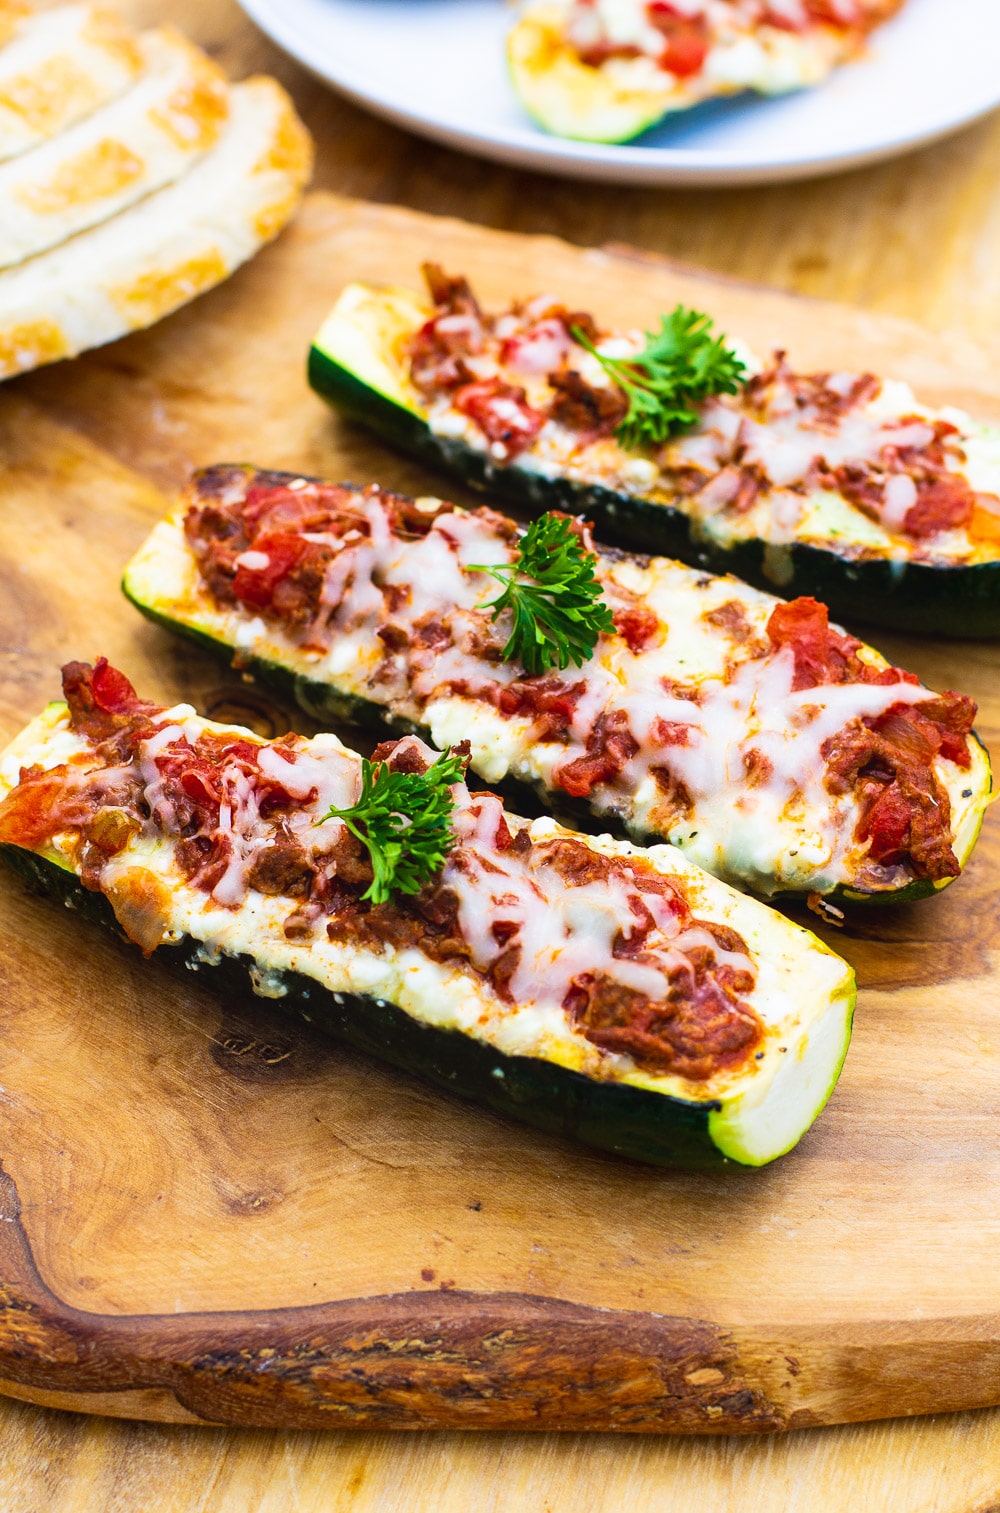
x,y
777,752
840,485
606,70
619,996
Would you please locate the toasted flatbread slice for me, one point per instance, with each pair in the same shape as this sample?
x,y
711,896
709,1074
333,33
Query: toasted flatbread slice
x,y
606,70
146,138
56,67
180,241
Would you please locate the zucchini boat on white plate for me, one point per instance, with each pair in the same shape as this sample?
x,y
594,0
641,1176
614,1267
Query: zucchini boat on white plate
x,y
681,442
775,750
616,995
606,70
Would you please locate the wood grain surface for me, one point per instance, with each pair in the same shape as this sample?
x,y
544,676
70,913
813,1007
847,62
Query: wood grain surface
x,y
286,1235
915,239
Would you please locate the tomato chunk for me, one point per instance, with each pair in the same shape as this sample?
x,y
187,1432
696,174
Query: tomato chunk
x,y
636,626
821,655
272,559
502,413
610,747
942,505
686,40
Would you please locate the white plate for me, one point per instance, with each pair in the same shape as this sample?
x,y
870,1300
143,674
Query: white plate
x,y
437,67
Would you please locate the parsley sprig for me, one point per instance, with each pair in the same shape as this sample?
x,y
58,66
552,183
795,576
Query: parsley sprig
x,y
680,364
403,819
557,603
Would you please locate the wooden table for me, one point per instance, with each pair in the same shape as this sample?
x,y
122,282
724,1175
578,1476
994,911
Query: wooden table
x,y
912,238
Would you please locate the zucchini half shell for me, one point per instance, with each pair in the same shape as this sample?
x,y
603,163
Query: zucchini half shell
x,y
352,365
572,99
159,583
756,1114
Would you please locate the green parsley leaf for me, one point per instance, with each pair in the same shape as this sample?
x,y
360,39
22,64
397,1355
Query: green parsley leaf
x,y
680,364
403,819
557,603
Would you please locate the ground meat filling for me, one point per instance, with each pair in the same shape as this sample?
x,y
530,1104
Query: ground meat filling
x,y
610,747
250,533
668,990
705,1026
312,557
702,1022
886,761
260,559
784,434
582,407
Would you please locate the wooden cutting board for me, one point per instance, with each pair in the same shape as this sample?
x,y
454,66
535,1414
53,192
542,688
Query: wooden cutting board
x,y
212,1214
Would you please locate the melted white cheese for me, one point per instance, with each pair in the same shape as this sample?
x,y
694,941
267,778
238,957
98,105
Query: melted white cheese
x,y
785,449
367,331
555,51
800,984
785,833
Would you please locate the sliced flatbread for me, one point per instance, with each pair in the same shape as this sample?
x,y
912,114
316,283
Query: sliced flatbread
x,y
56,67
146,138
180,241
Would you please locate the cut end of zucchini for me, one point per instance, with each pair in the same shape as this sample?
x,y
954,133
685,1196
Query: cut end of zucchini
x,y
756,1133
569,98
757,1124
364,333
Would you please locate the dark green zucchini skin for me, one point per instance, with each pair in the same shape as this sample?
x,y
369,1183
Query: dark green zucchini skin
x,y
648,1127
960,602
323,703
